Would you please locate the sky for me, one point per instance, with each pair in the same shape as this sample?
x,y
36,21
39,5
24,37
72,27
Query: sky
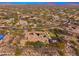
x,y
57,3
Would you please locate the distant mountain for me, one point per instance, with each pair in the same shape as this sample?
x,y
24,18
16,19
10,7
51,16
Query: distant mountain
x,y
38,4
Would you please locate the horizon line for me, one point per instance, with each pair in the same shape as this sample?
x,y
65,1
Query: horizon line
x,y
51,3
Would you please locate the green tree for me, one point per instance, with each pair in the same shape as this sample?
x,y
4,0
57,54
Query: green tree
x,y
38,44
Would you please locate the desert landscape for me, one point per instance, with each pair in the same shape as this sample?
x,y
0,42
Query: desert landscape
x,y
39,30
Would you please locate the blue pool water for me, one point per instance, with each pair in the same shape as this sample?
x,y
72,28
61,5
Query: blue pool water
x,y
1,36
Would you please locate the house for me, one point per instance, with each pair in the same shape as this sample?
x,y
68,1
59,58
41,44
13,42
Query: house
x,y
37,36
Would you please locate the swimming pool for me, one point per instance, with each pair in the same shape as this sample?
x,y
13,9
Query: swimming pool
x,y
1,36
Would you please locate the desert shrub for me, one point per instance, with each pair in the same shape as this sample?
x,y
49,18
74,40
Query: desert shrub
x,y
3,31
37,44
57,37
55,33
61,45
51,35
28,43
14,43
77,51
73,42
52,45
61,52
17,32
58,31
18,51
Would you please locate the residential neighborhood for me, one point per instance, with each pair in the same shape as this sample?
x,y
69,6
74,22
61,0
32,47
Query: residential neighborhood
x,y
39,30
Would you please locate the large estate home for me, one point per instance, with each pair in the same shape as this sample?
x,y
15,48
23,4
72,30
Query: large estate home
x,y
37,36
